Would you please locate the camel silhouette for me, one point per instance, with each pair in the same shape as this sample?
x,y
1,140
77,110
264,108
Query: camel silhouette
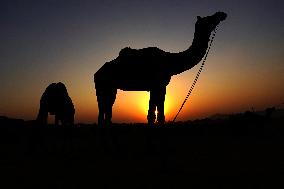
x,y
56,101
150,69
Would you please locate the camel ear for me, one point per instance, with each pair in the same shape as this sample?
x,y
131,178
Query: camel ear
x,y
198,17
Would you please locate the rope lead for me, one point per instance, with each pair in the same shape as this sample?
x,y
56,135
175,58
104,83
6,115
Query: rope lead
x,y
198,73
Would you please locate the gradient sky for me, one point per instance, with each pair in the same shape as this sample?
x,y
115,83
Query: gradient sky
x,y
68,41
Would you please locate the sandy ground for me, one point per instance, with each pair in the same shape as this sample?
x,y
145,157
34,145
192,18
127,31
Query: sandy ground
x,y
246,152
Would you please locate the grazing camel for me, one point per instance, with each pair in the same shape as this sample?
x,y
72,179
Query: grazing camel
x,y
56,101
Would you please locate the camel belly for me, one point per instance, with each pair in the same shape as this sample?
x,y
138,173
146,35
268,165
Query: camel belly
x,y
131,77
141,84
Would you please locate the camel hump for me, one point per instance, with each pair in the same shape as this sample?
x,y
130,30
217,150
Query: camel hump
x,y
145,51
127,50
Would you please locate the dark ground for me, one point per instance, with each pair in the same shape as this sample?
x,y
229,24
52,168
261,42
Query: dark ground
x,y
239,152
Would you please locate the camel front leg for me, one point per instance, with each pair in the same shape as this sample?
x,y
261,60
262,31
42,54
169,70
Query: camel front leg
x,y
157,100
160,106
161,115
151,117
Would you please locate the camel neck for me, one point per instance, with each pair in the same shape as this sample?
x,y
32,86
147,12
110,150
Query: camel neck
x,y
187,59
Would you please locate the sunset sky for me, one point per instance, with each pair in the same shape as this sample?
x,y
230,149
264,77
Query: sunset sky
x,y
68,41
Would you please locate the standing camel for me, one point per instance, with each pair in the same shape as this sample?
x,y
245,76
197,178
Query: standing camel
x,y
150,69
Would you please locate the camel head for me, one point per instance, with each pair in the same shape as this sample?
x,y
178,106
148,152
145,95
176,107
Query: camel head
x,y
208,24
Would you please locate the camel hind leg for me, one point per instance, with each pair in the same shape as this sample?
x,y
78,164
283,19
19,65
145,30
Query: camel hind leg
x,y
43,111
101,117
105,100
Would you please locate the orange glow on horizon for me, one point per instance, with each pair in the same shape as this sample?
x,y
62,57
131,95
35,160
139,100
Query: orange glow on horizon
x,y
143,105
132,106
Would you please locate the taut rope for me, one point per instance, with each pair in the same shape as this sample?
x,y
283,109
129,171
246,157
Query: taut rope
x,y
198,73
